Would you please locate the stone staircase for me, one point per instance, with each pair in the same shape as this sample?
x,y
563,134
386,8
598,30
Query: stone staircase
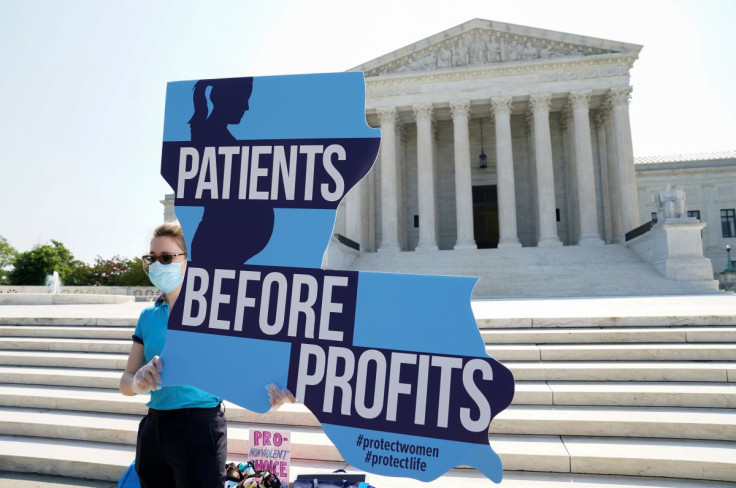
x,y
631,402
568,271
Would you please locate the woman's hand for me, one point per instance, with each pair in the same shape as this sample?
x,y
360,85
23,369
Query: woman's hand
x,y
277,395
147,377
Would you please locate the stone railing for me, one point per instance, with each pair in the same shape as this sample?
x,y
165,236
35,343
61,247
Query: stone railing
x,y
136,291
675,248
339,254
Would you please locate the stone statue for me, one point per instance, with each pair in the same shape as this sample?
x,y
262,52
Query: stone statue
x,y
462,54
478,49
680,202
511,52
493,55
530,52
427,61
671,203
444,60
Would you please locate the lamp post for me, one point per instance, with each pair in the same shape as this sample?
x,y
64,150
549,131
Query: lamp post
x,y
729,262
483,158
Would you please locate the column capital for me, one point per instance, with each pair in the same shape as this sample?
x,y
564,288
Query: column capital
x,y
501,105
620,96
540,101
423,112
387,115
460,108
580,99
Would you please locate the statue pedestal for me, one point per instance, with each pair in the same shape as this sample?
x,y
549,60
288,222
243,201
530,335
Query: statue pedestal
x,y
675,248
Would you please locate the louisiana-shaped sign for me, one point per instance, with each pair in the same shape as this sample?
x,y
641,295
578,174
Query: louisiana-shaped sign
x,y
392,365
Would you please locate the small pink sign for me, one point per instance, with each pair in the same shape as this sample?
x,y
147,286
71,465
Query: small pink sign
x,y
270,450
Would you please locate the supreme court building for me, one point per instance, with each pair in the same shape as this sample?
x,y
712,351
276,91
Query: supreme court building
x,y
546,112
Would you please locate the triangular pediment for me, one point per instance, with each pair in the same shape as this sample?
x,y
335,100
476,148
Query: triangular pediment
x,y
483,42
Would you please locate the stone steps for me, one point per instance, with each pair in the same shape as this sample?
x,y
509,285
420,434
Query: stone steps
x,y
612,352
639,393
577,335
690,458
70,331
501,352
72,383
121,346
611,335
525,272
86,378
633,394
620,397
694,423
723,372
64,359
66,458
54,321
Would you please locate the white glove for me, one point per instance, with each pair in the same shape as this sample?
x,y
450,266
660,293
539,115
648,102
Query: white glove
x,y
147,378
277,396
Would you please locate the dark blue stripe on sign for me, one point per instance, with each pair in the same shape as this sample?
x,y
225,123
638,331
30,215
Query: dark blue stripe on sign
x,y
268,302
309,173
421,394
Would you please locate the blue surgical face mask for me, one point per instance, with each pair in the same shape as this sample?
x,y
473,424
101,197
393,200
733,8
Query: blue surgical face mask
x,y
165,277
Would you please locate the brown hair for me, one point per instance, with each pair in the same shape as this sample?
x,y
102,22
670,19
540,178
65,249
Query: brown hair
x,y
173,230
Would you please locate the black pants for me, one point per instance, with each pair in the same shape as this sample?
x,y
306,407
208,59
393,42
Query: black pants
x,y
182,448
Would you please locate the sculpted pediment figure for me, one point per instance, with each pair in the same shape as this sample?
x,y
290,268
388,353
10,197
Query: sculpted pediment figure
x,y
483,42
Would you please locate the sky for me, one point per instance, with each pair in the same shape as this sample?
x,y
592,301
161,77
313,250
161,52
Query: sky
x,y
82,86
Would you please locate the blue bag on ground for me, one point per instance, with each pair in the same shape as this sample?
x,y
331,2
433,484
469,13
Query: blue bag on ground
x,y
338,479
129,478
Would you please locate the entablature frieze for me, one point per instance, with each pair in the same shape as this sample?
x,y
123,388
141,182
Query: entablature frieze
x,y
480,103
558,70
441,87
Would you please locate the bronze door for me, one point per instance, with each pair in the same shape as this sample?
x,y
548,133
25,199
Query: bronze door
x,y
485,216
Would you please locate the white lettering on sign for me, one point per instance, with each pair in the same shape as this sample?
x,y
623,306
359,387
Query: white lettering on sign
x,y
266,172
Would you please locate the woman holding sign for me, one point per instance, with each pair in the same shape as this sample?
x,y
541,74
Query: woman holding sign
x,y
182,441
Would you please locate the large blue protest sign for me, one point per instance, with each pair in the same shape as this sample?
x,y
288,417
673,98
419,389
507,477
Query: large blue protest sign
x,y
393,366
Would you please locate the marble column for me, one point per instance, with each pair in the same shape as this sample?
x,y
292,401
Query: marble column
x,y
570,214
389,200
584,171
600,126
425,178
547,222
505,174
532,175
625,159
612,172
354,214
463,184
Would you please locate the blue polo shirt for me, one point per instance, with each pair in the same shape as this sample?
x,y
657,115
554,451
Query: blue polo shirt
x,y
151,332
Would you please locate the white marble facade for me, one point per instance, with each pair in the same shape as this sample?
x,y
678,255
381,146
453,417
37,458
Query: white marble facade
x,y
709,184
555,129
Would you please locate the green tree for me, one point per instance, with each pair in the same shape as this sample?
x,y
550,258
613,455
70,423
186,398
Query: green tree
x,y
107,272
32,267
7,257
135,275
116,271
80,274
